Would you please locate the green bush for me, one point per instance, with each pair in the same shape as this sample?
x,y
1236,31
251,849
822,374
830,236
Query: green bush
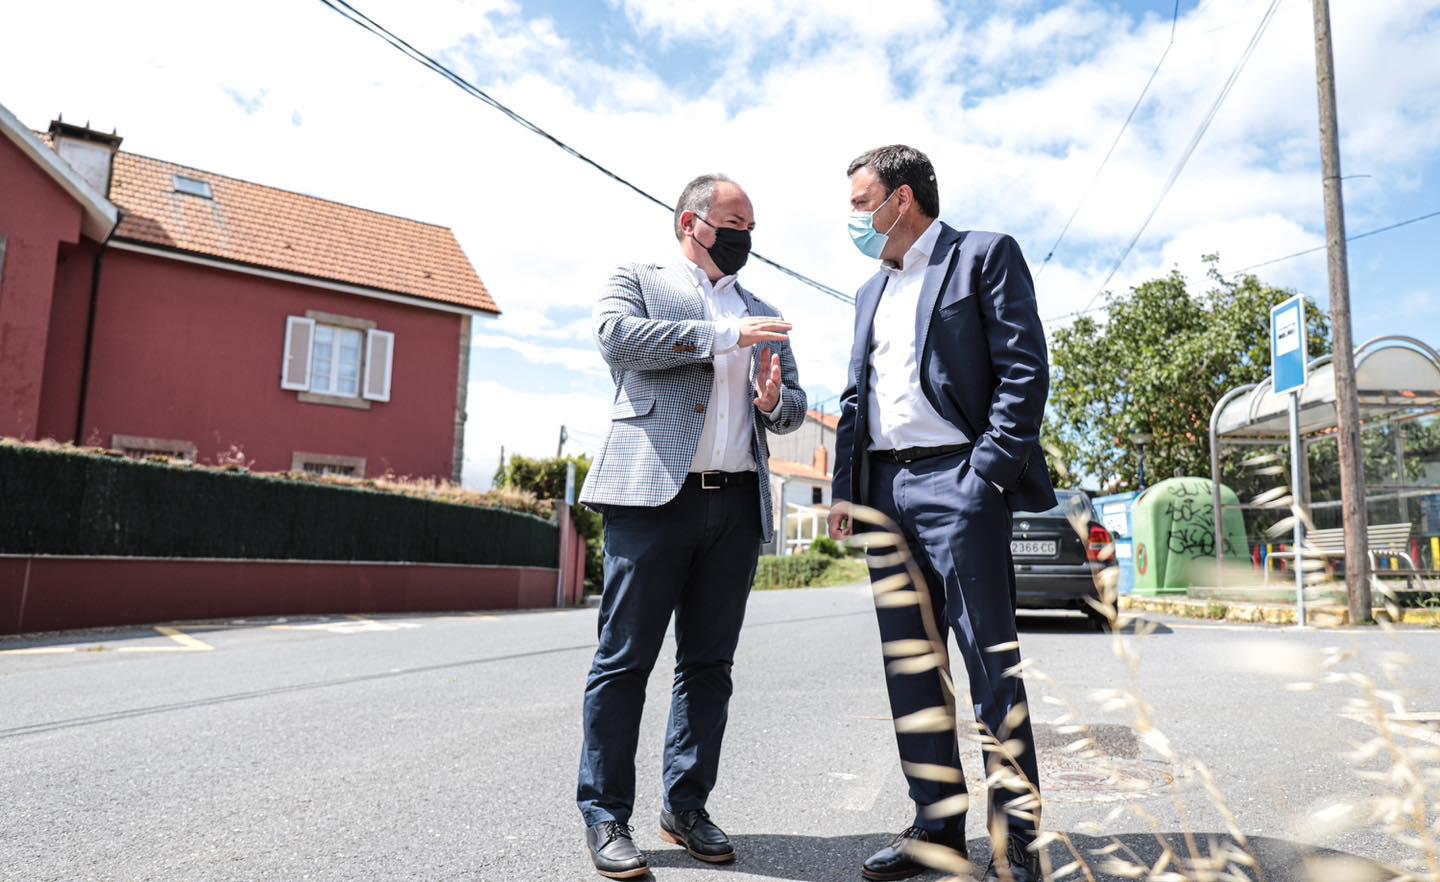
x,y
792,571
807,571
827,547
844,572
546,479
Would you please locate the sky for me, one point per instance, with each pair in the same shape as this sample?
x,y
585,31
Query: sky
x,y
1015,102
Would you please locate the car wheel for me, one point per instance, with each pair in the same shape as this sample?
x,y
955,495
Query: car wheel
x,y
1098,622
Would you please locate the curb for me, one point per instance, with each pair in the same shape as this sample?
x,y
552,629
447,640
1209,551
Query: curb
x,y
1320,616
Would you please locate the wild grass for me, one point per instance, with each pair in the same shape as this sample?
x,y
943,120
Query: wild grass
x,y
1389,785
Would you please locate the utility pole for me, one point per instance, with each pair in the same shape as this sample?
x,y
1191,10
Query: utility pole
x,y
1347,402
559,448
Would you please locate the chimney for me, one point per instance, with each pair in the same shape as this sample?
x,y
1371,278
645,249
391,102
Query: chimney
x,y
822,459
90,153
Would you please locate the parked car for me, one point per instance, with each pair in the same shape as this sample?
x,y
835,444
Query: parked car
x,y
1057,554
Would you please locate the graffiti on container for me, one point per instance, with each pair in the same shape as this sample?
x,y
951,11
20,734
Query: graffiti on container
x,y
1190,513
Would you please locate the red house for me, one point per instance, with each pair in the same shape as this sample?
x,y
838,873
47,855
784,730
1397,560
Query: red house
x,y
148,306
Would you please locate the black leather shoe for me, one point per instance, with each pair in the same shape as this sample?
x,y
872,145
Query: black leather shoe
x,y
893,862
613,851
694,830
1024,864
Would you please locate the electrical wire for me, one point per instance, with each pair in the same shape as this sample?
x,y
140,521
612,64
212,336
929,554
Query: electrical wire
x,y
1395,226
350,13
1244,269
1174,20
1190,148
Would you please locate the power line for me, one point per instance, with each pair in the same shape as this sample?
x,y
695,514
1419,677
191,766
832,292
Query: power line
x,y
1365,235
350,13
1395,226
1174,20
1190,147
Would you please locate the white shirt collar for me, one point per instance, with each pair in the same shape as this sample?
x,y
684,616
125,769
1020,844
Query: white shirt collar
x,y
720,286
920,252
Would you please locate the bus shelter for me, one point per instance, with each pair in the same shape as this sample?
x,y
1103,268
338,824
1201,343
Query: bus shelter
x,y
1397,378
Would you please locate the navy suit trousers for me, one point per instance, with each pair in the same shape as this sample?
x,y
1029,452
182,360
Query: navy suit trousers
x,y
694,557
957,526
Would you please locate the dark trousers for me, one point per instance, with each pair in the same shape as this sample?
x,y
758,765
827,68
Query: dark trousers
x,y
957,527
694,556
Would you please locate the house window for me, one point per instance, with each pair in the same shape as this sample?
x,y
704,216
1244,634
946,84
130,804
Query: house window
x,y
817,495
323,468
140,446
193,187
327,464
335,361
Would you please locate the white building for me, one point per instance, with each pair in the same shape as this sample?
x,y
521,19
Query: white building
x,y
800,474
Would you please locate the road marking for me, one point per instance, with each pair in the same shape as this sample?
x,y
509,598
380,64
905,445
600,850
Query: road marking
x,y
861,791
1414,629
186,642
1240,628
352,625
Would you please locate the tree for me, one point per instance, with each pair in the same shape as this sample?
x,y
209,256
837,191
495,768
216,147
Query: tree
x,y
546,479
1157,365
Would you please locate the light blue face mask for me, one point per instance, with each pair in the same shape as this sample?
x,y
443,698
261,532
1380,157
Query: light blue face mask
x,y
869,240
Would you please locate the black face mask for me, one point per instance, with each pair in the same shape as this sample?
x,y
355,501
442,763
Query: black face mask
x,y
731,248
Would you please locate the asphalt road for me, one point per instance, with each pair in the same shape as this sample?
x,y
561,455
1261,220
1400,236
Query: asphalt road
x,y
444,747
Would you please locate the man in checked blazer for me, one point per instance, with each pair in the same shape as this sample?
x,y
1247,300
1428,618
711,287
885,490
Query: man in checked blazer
x,y
702,370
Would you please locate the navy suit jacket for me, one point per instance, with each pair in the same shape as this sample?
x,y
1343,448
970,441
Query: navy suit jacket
x,y
983,366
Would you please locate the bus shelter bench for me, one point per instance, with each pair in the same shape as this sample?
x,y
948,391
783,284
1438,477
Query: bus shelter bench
x,y
1392,540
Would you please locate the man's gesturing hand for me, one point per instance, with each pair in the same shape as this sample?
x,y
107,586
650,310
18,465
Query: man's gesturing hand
x,y
840,525
767,381
761,329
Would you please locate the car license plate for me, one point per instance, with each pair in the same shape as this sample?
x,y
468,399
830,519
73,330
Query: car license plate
x,y
1033,547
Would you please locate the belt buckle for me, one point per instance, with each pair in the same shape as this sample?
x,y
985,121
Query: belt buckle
x,y
705,481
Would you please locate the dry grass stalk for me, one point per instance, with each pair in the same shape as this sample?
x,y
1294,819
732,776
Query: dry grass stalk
x,y
1212,861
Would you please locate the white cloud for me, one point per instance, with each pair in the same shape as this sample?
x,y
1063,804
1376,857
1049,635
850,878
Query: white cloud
x,y
528,424
1015,106
578,360
760,19
1420,302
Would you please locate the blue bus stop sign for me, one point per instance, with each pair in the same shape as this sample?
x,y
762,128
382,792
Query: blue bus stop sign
x,y
1287,345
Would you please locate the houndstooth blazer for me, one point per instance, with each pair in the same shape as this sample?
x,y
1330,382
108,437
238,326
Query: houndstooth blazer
x,y
651,328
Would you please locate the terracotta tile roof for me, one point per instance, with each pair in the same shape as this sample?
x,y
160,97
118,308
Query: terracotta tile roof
x,y
277,229
828,420
787,469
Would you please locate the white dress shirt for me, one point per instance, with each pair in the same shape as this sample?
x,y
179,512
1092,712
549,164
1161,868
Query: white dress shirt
x,y
725,442
900,414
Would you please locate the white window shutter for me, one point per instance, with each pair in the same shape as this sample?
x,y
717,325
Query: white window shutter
x,y
299,338
379,355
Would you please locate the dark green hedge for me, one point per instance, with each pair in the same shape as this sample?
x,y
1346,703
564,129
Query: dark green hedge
x,y
64,503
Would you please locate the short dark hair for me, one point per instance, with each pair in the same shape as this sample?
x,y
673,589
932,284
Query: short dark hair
x,y
698,196
896,165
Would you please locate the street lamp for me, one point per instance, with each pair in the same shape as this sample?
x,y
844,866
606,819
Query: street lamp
x,y
1140,439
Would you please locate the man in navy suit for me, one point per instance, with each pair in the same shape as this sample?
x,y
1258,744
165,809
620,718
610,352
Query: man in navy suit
x,y
940,430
